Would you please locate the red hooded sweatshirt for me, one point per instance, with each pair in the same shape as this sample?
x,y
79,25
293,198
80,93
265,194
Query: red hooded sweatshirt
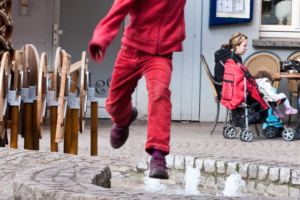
x,y
157,26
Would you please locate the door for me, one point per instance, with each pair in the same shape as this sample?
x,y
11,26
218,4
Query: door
x,y
78,20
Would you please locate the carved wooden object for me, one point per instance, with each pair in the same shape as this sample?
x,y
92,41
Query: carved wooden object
x,y
4,77
41,94
62,97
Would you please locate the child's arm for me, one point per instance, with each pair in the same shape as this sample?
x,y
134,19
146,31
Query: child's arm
x,y
108,28
269,90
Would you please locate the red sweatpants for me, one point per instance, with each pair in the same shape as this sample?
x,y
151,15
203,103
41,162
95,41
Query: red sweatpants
x,y
130,66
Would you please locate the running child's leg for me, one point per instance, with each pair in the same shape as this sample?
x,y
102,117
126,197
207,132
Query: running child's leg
x,y
158,77
118,104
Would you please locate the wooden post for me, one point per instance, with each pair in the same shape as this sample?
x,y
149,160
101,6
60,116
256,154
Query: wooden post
x,y
53,119
67,135
74,132
14,127
28,126
35,136
94,128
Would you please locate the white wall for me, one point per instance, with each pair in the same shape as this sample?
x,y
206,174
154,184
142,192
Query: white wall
x,y
30,29
212,39
36,28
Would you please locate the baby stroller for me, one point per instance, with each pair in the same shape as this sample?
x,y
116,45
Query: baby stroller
x,y
247,105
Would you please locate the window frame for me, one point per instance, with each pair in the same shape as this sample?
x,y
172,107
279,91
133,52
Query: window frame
x,y
292,31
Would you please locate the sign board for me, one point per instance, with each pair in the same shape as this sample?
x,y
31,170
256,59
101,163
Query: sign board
x,y
225,12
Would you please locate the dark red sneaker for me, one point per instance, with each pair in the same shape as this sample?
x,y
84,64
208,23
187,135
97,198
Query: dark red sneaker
x,y
158,168
119,135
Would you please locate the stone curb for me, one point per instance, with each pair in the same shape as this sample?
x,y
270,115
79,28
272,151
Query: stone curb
x,y
63,176
262,180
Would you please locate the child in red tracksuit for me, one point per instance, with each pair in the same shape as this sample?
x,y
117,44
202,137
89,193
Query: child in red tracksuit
x,y
157,29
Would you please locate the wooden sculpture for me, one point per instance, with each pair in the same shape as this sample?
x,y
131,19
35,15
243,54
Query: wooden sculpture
x,y
63,94
17,85
4,81
55,86
41,94
83,91
6,27
29,110
17,68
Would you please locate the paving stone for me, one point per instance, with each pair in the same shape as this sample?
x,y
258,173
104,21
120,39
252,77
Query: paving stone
x,y
274,174
231,168
252,171
261,189
221,167
179,162
170,161
262,172
284,175
296,177
278,190
209,166
243,169
189,161
142,165
199,163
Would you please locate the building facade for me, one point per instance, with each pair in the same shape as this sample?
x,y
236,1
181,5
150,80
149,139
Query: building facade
x,y
192,96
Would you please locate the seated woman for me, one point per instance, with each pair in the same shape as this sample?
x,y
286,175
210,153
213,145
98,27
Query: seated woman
x,y
238,42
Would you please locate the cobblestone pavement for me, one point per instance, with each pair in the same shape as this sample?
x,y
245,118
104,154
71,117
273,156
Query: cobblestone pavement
x,y
189,138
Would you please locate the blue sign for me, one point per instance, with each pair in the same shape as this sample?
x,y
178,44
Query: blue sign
x,y
226,12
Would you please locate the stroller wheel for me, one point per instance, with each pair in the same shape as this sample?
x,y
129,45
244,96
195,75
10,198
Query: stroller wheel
x,y
230,132
247,135
241,135
270,131
224,134
288,134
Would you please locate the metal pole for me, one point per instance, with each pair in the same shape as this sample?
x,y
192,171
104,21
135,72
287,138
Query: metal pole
x,y
246,109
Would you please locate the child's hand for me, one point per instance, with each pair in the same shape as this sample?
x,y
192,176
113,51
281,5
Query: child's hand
x,y
96,50
98,54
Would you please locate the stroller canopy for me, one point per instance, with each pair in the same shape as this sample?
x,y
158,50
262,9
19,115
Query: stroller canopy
x,y
233,93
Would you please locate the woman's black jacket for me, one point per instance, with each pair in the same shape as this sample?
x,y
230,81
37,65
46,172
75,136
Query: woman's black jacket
x,y
222,55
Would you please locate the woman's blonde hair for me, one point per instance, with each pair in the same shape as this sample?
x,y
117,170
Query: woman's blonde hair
x,y
263,74
235,39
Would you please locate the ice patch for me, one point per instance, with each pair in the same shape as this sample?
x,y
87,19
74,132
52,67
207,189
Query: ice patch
x,y
152,184
233,185
192,179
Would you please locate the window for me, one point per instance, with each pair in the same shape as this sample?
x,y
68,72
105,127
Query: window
x,y
280,18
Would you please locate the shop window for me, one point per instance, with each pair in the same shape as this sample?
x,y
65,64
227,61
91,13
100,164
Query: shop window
x,y
280,18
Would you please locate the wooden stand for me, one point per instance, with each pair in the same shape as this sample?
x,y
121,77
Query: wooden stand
x,y
35,136
67,135
94,128
53,119
14,127
28,126
74,132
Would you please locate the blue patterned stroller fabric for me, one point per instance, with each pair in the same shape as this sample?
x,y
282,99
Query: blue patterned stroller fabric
x,y
272,118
